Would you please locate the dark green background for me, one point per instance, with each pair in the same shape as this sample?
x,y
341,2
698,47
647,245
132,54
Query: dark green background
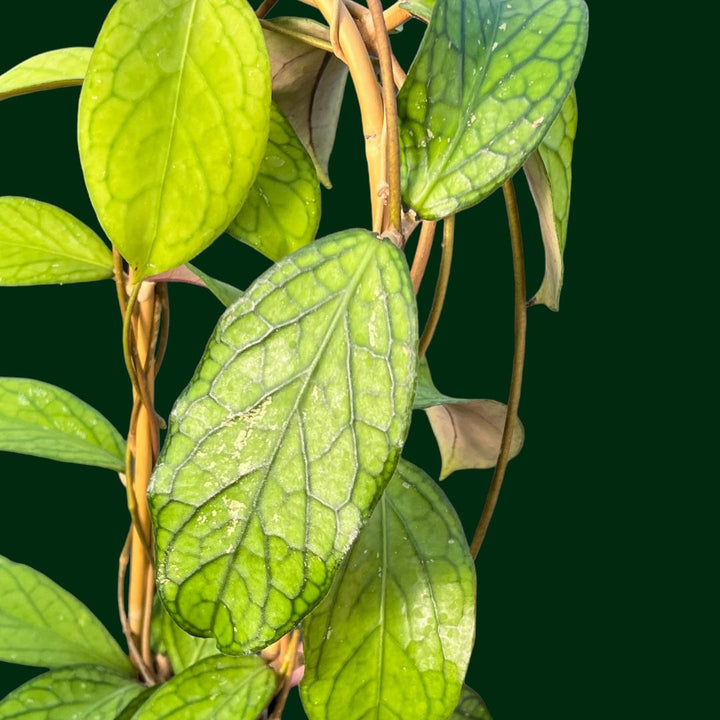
x,y
592,583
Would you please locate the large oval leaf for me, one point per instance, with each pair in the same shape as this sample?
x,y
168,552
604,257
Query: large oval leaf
x,y
173,122
41,244
284,439
43,420
282,211
488,80
549,174
43,625
53,69
393,637
216,688
86,692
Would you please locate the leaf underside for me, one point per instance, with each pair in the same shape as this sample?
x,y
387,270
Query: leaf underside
x,y
53,69
470,707
282,210
45,626
283,441
308,85
86,691
157,90
41,244
487,82
549,174
43,420
393,637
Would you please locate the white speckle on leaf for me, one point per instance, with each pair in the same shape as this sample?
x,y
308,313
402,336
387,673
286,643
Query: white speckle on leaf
x,y
502,27
494,46
538,122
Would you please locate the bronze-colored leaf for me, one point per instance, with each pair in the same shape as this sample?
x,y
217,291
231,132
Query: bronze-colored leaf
x,y
469,434
307,84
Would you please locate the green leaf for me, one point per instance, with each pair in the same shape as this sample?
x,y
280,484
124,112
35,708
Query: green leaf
x,y
87,692
308,85
488,80
41,244
468,432
419,8
393,637
282,211
169,638
43,420
283,441
227,294
43,625
216,688
549,174
471,706
53,69
426,394
173,121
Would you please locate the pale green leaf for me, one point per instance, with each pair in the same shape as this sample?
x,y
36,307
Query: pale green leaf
x,y
419,8
470,707
41,244
282,211
308,85
40,419
487,82
45,626
549,174
284,439
393,637
426,394
227,294
173,121
84,692
53,69
216,688
182,649
468,432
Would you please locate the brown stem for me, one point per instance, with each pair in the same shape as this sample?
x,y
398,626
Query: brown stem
x,y
441,286
288,666
422,253
518,362
265,7
355,54
392,141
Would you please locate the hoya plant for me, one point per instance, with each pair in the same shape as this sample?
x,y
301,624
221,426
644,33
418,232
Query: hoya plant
x,y
277,536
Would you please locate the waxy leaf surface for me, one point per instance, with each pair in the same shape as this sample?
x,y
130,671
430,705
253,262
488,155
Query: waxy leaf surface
x,y
169,638
41,244
53,69
282,443
468,432
173,121
82,692
40,419
487,82
549,174
216,688
393,637
308,85
470,707
282,211
45,626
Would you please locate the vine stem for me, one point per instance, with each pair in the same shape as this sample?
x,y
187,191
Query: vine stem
x,y
518,363
422,253
354,53
392,139
441,286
